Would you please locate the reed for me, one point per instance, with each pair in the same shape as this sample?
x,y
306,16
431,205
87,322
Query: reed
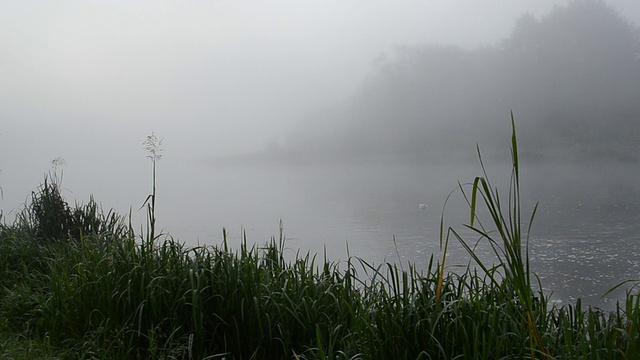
x,y
505,236
153,146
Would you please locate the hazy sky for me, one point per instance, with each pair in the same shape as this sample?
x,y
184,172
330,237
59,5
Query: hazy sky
x,y
88,80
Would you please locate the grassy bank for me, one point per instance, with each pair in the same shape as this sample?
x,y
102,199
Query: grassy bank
x,y
78,283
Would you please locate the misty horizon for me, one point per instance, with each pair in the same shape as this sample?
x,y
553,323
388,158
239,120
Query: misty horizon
x,y
87,83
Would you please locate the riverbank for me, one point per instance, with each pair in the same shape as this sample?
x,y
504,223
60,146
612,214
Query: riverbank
x,y
78,282
104,292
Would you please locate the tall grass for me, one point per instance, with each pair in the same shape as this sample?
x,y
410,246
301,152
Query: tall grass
x,y
505,236
110,296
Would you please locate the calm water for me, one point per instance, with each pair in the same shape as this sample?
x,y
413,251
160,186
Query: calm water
x,y
584,240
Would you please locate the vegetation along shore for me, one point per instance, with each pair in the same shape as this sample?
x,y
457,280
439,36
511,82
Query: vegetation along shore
x,y
76,282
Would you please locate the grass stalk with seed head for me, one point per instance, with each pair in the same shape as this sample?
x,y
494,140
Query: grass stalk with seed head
x,y
153,145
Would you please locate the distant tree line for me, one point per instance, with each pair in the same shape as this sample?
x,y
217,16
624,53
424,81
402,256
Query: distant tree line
x,y
572,79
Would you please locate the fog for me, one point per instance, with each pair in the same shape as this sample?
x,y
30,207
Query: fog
x,y
397,93
571,76
88,81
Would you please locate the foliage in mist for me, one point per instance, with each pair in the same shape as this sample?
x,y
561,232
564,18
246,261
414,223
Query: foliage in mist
x,y
572,77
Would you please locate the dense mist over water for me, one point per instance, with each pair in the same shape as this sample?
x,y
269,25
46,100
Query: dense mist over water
x,y
339,118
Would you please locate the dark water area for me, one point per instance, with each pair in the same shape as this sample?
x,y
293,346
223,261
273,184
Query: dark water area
x,y
585,237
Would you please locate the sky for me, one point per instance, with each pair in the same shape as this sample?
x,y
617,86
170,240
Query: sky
x,y
89,80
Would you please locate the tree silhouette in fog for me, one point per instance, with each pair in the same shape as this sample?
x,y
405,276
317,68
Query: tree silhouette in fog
x,y
571,77
581,65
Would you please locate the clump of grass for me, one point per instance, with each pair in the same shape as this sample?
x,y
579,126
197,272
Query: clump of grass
x,y
48,214
506,239
49,217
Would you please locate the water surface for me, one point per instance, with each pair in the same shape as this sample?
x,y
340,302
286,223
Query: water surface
x,y
584,240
